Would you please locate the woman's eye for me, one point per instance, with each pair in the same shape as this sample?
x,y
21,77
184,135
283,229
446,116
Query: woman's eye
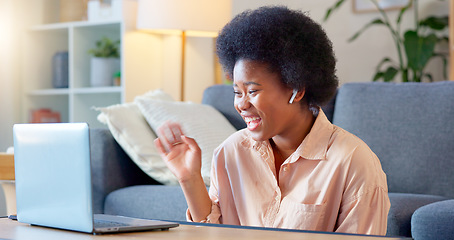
x,y
252,91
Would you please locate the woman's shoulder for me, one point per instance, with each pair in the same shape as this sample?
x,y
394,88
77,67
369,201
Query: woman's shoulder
x,y
346,139
359,156
239,142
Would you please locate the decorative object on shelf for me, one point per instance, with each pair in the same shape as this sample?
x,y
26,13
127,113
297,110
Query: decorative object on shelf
x,y
60,72
117,78
105,62
44,115
73,10
415,48
202,18
103,10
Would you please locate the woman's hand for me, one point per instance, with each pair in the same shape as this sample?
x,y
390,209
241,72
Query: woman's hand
x,y
183,157
181,154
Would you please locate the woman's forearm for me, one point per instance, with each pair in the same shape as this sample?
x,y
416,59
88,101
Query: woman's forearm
x,y
199,202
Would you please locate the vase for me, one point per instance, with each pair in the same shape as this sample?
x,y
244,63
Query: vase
x,y
60,70
103,71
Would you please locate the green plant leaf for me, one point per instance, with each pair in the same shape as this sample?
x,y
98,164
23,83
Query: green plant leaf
x,y
403,10
429,76
419,49
377,76
443,39
435,23
389,74
382,62
331,9
373,22
106,48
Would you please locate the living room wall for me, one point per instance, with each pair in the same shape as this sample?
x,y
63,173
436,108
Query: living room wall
x,y
356,61
9,84
9,73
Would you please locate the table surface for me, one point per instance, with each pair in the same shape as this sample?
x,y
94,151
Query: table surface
x,y
10,229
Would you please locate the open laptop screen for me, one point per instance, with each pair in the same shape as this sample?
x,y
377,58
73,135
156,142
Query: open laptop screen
x,y
53,179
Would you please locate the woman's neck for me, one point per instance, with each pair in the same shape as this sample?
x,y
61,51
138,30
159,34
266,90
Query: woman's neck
x,y
286,144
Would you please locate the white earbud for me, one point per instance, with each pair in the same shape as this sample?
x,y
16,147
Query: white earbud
x,y
293,96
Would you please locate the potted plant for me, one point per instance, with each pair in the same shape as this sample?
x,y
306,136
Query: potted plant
x,y
415,47
105,62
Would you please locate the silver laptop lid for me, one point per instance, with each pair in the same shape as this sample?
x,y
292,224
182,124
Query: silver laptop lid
x,y
53,178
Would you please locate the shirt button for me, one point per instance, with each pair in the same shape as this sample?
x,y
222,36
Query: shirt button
x,y
285,168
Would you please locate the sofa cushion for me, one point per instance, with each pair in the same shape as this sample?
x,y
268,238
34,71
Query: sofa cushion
x,y
409,127
199,121
221,97
149,202
111,167
402,207
135,136
434,221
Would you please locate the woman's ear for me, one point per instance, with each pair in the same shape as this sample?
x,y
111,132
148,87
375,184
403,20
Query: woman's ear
x,y
297,95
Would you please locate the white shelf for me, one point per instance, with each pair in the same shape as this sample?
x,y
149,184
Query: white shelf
x,y
96,90
75,102
66,25
65,91
44,92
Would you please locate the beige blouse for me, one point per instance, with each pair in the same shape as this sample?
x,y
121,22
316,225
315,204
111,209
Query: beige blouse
x,y
332,182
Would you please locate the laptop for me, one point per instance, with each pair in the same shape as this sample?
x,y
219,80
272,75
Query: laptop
x,y
53,181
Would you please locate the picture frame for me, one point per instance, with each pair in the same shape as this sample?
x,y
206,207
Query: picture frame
x,y
361,6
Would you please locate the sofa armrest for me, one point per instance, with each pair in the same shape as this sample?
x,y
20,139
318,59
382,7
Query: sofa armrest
x,y
434,221
111,168
403,205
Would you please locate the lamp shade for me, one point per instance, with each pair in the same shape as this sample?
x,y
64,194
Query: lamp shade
x,y
186,15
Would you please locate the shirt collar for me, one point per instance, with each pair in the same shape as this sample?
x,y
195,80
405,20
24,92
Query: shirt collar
x,y
313,147
315,144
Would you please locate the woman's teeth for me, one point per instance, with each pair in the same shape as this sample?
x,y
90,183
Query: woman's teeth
x,y
250,119
252,122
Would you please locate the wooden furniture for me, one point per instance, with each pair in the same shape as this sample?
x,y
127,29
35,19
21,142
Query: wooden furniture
x,y
7,181
10,229
6,166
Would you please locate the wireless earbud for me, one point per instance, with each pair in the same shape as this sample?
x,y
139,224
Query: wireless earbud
x,y
293,96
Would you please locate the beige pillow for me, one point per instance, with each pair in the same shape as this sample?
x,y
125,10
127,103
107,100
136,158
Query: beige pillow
x,y
199,121
134,135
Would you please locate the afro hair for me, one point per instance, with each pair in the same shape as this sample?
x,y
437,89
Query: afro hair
x,y
288,41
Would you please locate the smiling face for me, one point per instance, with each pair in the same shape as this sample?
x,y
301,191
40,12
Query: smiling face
x,y
263,100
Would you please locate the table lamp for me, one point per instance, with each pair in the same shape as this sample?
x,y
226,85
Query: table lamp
x,y
200,18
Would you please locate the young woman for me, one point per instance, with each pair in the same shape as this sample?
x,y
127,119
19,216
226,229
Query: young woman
x,y
290,168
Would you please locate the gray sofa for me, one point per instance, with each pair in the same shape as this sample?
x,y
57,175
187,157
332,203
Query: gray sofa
x,y
409,126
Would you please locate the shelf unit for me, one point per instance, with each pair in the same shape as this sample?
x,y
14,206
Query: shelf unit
x,y
148,62
75,103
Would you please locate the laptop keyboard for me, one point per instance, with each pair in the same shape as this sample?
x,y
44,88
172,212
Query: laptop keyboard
x,y
102,224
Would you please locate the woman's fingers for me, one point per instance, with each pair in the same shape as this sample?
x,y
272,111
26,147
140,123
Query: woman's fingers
x,y
192,144
176,131
160,147
170,135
